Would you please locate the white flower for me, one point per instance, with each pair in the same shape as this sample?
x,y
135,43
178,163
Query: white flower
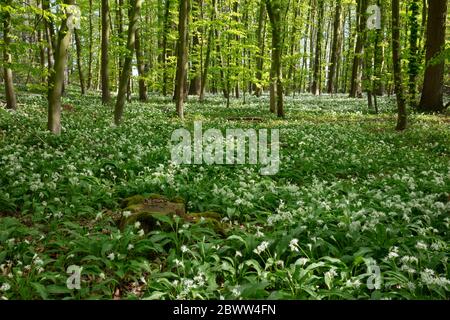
x,y
332,273
137,224
259,234
184,249
293,245
179,263
421,245
102,275
141,232
261,248
353,284
301,261
130,246
393,253
111,256
126,214
236,292
5,287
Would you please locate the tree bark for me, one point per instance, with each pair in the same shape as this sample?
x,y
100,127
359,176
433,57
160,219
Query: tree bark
x,y
335,48
57,75
316,87
135,8
432,91
166,26
355,87
260,55
413,59
378,83
182,56
91,41
141,68
276,14
11,102
396,61
106,95
80,69
208,51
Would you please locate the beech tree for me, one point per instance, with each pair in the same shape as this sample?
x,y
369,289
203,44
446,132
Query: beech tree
x,y
133,15
433,83
182,56
57,74
106,95
401,101
10,94
276,9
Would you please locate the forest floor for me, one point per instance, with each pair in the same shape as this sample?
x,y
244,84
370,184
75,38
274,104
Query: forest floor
x,y
357,210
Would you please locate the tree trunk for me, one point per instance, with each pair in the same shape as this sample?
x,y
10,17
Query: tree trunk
x,y
316,87
413,61
106,95
182,56
57,75
11,102
80,69
91,41
335,48
208,51
166,26
378,83
48,26
260,55
195,84
355,87
396,61
276,14
292,62
141,68
133,14
432,91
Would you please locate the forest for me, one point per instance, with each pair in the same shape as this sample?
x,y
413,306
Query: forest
x,y
225,149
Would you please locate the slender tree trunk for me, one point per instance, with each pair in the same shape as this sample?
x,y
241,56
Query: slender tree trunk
x,y
80,69
316,87
348,55
11,102
182,56
135,8
335,48
208,51
276,14
195,84
292,62
57,75
304,58
223,80
260,55
166,26
141,69
196,71
432,91
378,83
401,101
355,88
91,41
48,28
413,61
106,95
